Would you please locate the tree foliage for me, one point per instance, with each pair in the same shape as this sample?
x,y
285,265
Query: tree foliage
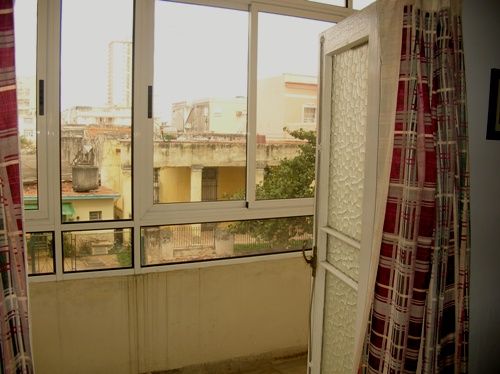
x,y
291,178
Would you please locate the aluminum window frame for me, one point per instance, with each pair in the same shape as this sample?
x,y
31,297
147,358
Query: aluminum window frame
x,y
145,211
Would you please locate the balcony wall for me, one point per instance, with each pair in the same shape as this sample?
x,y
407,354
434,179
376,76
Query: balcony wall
x,y
167,320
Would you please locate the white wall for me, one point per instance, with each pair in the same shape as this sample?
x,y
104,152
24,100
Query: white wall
x,y
166,320
482,52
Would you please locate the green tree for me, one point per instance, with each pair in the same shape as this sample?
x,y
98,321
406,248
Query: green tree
x,y
26,144
294,177
291,178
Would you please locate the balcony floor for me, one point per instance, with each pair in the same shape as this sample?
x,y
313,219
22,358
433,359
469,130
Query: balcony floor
x,y
285,366
294,365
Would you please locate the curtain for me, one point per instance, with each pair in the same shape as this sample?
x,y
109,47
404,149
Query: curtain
x,y
15,348
419,314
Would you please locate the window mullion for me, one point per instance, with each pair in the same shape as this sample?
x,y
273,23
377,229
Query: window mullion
x,y
142,125
52,107
252,104
40,216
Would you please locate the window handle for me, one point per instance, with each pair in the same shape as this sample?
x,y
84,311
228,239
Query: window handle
x,y
150,101
41,97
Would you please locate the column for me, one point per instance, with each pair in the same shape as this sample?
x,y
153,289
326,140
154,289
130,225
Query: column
x,y
196,174
259,172
196,185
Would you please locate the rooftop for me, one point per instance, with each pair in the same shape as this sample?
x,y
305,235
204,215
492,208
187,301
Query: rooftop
x,y
103,192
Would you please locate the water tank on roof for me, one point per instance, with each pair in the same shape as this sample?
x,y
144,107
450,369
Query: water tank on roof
x,y
85,178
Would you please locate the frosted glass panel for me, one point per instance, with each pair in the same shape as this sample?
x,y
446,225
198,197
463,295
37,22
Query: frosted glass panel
x,y
338,326
348,137
343,256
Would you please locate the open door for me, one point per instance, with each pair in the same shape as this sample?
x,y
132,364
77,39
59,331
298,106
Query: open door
x,y
346,190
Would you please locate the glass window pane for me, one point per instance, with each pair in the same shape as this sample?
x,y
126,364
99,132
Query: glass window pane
x,y
207,241
200,105
331,2
360,4
287,93
25,21
96,97
97,249
40,247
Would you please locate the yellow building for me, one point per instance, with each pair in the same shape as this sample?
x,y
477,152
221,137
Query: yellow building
x,y
98,204
203,160
206,159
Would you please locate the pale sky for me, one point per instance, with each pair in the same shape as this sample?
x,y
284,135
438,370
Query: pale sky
x,y
199,51
25,33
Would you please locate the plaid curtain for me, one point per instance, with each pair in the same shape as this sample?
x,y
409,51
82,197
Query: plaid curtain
x,y
419,316
14,334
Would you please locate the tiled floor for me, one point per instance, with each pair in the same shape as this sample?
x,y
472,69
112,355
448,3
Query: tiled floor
x,y
292,365
282,366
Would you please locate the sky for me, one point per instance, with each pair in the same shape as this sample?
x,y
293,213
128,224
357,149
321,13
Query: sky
x,y
199,51
25,33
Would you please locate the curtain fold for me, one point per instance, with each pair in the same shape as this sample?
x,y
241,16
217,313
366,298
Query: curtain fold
x,y
419,314
15,348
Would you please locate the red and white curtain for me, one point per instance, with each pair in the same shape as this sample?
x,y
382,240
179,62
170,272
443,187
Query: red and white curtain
x,y
420,307
15,348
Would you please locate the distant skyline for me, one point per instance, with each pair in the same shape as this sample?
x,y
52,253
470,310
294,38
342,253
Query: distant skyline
x,y
190,41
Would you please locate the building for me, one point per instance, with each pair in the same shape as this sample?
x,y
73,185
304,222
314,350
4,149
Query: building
x,y
120,74
213,115
286,101
101,116
93,205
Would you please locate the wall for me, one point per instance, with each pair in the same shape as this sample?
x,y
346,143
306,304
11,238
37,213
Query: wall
x,y
224,116
160,321
175,184
230,181
271,106
296,97
481,30
83,207
110,169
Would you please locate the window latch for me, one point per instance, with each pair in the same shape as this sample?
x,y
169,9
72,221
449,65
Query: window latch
x,y
311,261
150,101
41,97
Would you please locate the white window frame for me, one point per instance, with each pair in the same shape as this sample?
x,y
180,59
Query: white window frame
x,y
41,215
145,212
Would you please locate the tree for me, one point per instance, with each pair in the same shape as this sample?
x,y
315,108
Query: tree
x,y
291,178
26,144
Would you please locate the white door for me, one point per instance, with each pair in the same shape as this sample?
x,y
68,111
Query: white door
x,y
347,164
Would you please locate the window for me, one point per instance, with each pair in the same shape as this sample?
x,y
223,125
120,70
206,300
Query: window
x,y
186,131
97,250
194,242
360,4
287,83
156,185
26,75
309,114
331,2
95,215
96,108
200,81
40,252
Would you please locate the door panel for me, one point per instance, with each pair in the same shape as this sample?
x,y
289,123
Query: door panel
x,y
339,326
343,256
347,162
347,140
